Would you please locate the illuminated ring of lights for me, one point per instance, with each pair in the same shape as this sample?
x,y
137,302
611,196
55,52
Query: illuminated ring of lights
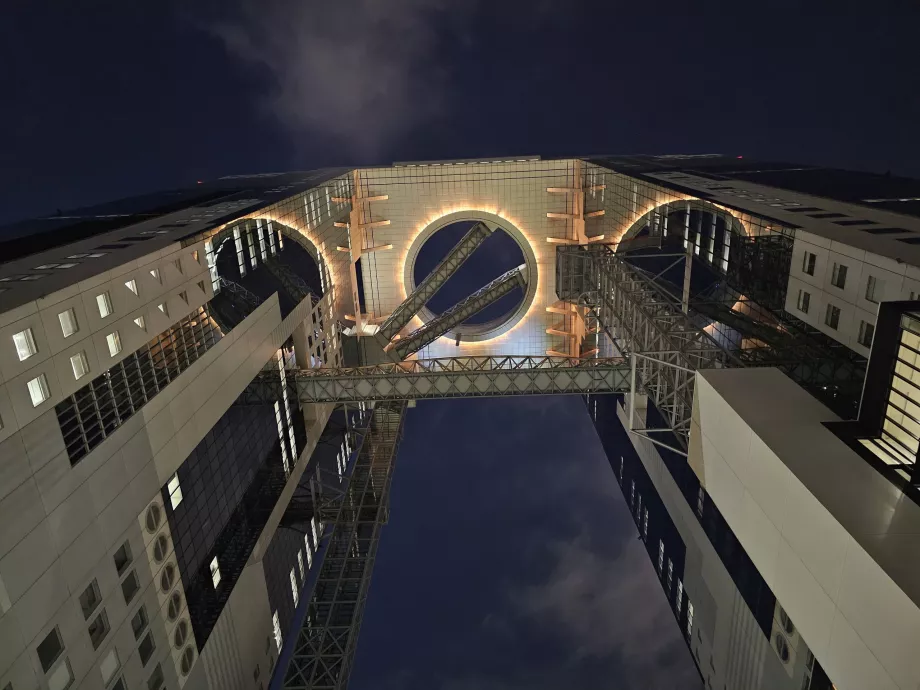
x,y
674,205
491,329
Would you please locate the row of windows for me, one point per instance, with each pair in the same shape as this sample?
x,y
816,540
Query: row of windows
x,y
94,411
875,287
832,318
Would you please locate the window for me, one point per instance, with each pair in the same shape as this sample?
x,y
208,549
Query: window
x,y
114,342
90,599
803,301
174,608
163,308
145,648
832,317
129,586
300,563
161,548
181,634
155,272
132,285
122,558
178,264
167,578
183,296
195,256
155,682
175,491
866,332
215,572
25,344
186,661
62,677
104,302
119,685
295,592
827,215
660,556
141,323
98,629
202,287
38,390
808,263
874,289
68,321
79,365
50,649
689,619
839,276
139,622
276,628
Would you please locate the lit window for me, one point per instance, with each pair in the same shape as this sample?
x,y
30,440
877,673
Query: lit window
x,y
839,276
306,541
215,572
114,342
45,267
62,677
680,595
689,619
79,365
175,491
67,265
184,296
866,332
25,344
163,308
78,256
141,323
109,666
94,255
803,301
300,563
132,285
155,272
295,593
276,627
68,321
195,256
832,316
104,302
38,390
660,556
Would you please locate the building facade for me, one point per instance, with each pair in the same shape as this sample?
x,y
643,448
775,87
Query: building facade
x,y
202,393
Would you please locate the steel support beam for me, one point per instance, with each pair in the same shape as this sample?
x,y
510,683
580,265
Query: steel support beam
x,y
461,311
403,314
643,318
452,377
324,650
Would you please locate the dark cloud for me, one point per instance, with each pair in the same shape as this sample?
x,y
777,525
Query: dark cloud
x,y
359,71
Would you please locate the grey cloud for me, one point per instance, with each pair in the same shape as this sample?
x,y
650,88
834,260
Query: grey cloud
x,y
359,71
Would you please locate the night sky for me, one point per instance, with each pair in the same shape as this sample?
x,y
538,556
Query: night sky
x,y
510,560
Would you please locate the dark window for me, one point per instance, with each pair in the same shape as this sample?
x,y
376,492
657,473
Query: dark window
x,y
854,222
112,246
137,238
832,316
156,678
90,599
804,209
808,263
98,629
885,231
139,622
827,215
122,558
119,684
909,240
803,301
129,586
50,649
839,276
866,331
145,648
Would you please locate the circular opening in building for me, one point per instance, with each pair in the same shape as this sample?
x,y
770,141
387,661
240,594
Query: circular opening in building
x,y
787,622
181,634
153,518
782,647
185,663
498,254
161,548
174,606
168,577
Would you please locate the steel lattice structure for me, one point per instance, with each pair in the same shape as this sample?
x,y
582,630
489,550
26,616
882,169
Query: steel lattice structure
x,y
452,377
433,282
461,311
643,318
324,650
